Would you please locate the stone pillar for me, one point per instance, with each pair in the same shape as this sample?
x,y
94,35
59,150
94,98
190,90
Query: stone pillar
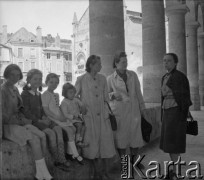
x,y
177,35
106,30
201,66
192,62
153,48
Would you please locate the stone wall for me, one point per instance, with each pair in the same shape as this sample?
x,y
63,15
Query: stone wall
x,y
18,162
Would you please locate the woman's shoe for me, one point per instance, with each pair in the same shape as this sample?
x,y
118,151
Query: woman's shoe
x,y
80,160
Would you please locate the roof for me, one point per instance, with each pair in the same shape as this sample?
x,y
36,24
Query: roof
x,y
8,47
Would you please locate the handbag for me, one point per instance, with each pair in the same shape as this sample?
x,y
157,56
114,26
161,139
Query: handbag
x,y
146,129
192,126
112,118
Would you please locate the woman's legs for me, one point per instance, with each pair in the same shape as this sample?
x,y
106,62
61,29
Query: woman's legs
x,y
174,158
134,154
121,152
41,167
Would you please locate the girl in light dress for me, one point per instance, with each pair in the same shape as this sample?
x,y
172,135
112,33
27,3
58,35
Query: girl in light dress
x,y
33,110
50,103
72,109
16,127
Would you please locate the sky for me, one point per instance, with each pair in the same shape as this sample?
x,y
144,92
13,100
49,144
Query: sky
x,y
53,16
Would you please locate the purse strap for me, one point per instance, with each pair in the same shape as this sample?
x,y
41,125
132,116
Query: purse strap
x,y
109,107
190,116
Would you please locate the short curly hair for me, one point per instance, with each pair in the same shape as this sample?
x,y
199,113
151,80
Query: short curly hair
x,y
10,68
66,87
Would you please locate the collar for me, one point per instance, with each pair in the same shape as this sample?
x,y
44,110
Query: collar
x,y
34,93
115,74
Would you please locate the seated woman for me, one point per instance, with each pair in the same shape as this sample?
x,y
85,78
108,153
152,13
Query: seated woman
x,y
15,126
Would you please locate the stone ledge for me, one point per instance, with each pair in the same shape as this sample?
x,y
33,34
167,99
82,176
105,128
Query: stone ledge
x,y
18,162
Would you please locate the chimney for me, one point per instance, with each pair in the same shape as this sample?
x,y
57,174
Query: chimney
x,y
4,34
39,34
57,41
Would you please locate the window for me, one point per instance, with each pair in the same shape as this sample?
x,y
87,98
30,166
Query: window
x,y
69,66
32,52
58,56
20,64
66,57
32,65
20,52
48,55
70,56
26,66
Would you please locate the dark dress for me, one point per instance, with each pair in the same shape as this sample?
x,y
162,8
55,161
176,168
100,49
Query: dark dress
x,y
33,109
173,132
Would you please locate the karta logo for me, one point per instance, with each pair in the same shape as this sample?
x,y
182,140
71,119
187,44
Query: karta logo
x,y
153,171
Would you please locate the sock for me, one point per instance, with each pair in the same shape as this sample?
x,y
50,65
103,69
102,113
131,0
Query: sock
x,y
73,148
41,170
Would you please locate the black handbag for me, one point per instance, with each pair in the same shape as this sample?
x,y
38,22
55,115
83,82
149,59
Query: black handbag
x,y
192,126
112,118
146,129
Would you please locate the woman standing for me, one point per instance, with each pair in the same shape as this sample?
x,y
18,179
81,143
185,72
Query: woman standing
x,y
16,127
175,106
92,90
127,104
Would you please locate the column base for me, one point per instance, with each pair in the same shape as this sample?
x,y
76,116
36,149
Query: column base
x,y
202,99
195,98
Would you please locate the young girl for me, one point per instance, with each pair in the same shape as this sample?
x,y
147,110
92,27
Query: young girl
x,y
16,127
72,109
50,102
34,111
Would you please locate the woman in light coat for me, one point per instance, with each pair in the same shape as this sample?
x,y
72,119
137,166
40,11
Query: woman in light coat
x,y
127,104
92,90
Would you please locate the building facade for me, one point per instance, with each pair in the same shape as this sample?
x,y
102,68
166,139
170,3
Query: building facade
x,y
46,53
133,42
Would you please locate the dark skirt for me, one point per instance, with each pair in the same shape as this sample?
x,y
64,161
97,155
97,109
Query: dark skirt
x,y
173,132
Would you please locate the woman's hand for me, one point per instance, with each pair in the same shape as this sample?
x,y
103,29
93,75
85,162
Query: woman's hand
x,y
117,96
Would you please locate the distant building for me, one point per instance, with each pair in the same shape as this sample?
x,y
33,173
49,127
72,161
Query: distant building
x,y
45,53
133,42
6,58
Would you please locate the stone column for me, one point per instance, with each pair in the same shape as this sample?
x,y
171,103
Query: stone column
x,y
153,49
177,35
201,66
106,30
192,62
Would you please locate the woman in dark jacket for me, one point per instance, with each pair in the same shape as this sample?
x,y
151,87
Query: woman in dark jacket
x,y
175,106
